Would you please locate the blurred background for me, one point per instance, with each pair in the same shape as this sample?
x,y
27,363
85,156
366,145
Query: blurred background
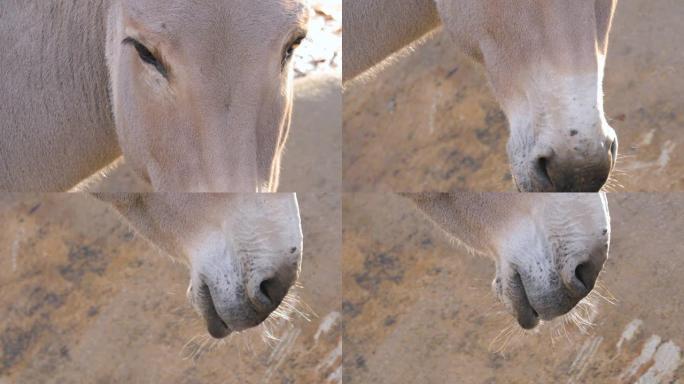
x,y
321,51
428,121
419,309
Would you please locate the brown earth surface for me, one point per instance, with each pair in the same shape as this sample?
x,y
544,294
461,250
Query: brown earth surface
x,y
428,122
85,300
418,309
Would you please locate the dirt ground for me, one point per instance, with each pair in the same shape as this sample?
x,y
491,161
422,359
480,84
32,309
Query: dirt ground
x,y
429,122
418,309
85,300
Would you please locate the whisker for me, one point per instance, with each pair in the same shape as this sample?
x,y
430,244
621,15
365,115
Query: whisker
x,y
498,336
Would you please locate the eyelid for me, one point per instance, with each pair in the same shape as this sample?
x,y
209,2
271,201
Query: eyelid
x,y
158,63
133,41
297,37
300,33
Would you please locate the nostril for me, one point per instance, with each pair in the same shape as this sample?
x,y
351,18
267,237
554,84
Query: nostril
x,y
542,164
613,151
265,289
274,291
586,275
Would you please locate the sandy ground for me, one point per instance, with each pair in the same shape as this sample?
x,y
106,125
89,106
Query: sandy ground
x,y
313,154
429,122
418,309
85,300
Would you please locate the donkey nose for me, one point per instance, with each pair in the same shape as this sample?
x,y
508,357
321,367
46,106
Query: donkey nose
x,y
586,173
270,290
274,290
579,278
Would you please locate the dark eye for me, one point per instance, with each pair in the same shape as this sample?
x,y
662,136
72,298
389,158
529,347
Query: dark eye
x,y
289,52
146,56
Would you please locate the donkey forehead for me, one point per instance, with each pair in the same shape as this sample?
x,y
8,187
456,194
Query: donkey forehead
x,y
177,19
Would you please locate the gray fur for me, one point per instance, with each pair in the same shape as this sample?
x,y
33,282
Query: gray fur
x,y
375,29
56,126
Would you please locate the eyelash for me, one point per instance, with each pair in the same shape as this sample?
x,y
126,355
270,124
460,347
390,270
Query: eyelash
x,y
290,49
146,56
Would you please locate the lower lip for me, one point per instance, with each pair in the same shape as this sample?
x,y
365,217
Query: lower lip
x,y
529,322
527,317
217,328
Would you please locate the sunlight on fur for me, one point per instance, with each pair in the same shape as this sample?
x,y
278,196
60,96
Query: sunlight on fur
x,y
270,332
617,175
370,74
98,177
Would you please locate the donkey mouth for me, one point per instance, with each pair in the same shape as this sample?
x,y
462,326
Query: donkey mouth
x,y
526,315
216,327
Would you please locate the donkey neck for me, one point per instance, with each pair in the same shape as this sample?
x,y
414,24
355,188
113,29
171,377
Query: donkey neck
x,y
379,28
57,126
474,219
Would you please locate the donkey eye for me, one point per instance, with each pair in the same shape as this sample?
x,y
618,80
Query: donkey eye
x,y
146,56
289,52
